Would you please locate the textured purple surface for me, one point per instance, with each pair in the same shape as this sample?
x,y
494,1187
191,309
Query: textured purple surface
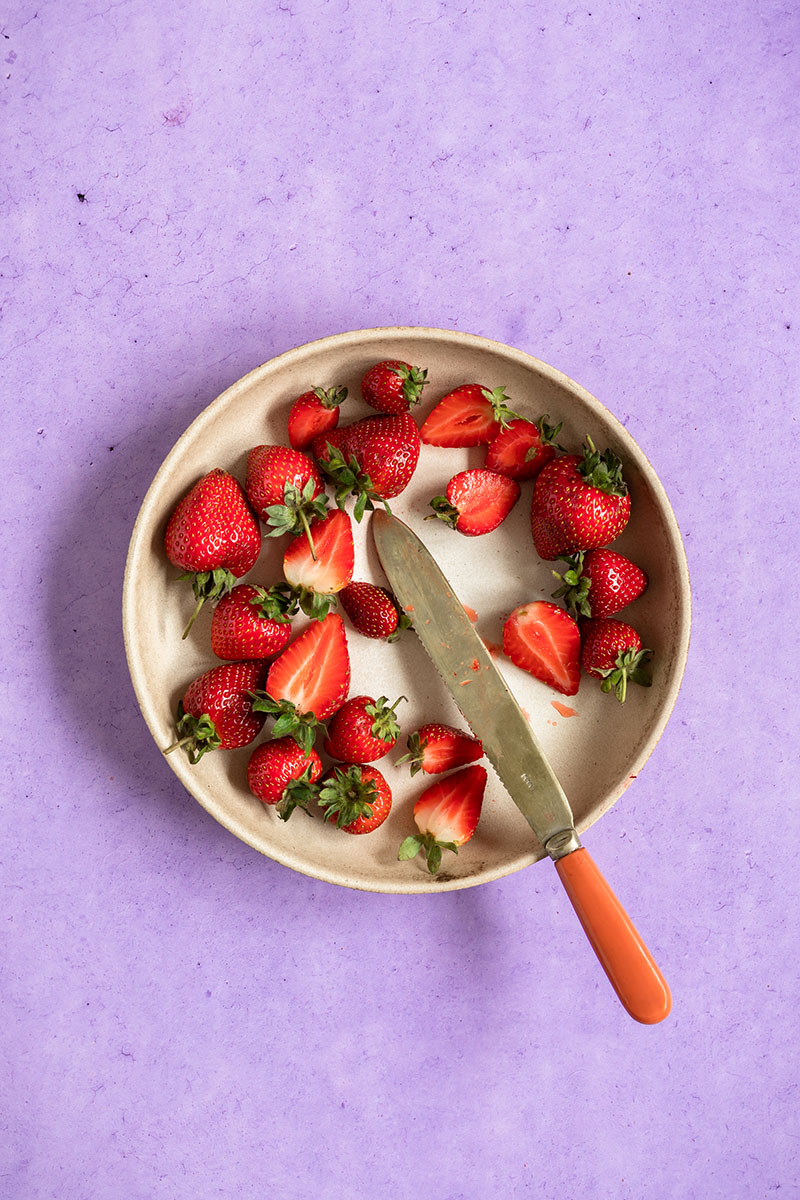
x,y
191,189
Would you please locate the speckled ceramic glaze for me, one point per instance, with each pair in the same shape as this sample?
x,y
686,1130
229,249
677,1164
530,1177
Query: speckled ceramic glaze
x,y
596,745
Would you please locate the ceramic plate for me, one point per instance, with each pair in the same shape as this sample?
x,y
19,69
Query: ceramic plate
x,y
596,746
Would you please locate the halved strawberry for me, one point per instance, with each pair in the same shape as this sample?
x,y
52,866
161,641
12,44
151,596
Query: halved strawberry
x,y
280,774
613,652
217,711
250,622
469,416
476,502
316,411
446,815
316,579
286,489
356,798
363,730
308,681
393,386
599,583
434,748
373,610
545,641
523,448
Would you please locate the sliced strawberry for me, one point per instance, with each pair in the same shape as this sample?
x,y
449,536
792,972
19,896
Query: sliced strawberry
x,y
599,583
523,448
469,416
446,815
250,622
363,730
373,610
477,501
393,386
280,774
356,798
217,711
613,652
316,579
545,641
316,411
434,748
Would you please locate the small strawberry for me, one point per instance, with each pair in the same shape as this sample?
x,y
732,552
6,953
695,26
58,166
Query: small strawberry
x,y
363,730
477,501
356,798
545,641
316,411
250,622
308,681
217,711
213,536
579,503
613,652
446,815
280,774
373,459
393,386
469,416
373,610
523,448
286,489
599,583
315,578
435,748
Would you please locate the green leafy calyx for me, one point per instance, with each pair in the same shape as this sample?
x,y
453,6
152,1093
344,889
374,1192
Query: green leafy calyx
x,y
288,721
349,480
384,723
347,795
499,402
298,793
196,735
432,849
414,381
208,585
444,510
629,666
575,586
602,471
331,398
300,507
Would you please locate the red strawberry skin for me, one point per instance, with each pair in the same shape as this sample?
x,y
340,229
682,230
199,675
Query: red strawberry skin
x,y
442,747
449,810
381,804
350,737
213,526
569,515
273,765
315,412
238,632
392,386
507,453
386,449
477,501
545,641
615,581
603,640
270,468
223,694
333,544
313,672
464,417
371,609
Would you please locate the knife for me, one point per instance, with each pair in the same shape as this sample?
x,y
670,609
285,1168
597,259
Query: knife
x,y
510,744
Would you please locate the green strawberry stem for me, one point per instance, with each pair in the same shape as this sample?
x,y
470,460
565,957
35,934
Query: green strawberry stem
x,y
207,585
603,471
498,400
349,480
298,793
575,586
384,726
347,796
444,510
196,735
289,721
629,666
432,848
414,380
299,508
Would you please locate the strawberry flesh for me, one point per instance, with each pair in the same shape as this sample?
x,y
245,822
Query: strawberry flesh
x,y
545,641
313,672
469,416
477,501
335,556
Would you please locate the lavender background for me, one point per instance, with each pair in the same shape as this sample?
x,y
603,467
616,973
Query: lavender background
x,y
190,189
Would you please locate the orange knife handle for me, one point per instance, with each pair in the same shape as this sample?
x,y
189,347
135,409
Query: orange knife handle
x,y
624,957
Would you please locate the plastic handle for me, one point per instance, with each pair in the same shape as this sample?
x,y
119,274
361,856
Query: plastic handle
x,y
623,955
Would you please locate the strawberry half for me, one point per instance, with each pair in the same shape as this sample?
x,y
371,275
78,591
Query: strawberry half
x,y
469,416
599,583
446,815
476,502
523,448
373,610
217,711
308,681
280,774
363,730
315,578
434,748
214,536
356,798
316,411
393,386
613,652
373,459
250,622
545,641
579,503
286,489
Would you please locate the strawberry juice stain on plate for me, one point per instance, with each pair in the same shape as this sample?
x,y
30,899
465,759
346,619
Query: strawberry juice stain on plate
x,y
563,709
473,616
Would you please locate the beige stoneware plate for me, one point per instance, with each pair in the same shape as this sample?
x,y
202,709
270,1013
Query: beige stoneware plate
x,y
596,752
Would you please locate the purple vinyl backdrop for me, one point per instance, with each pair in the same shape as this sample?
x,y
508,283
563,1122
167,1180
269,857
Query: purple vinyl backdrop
x,y
190,189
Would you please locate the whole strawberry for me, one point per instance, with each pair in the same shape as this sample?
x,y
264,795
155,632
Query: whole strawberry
x,y
523,448
612,651
251,622
434,748
476,501
472,415
579,503
373,610
599,583
373,459
363,730
393,386
355,798
286,489
446,815
213,536
316,411
280,774
217,712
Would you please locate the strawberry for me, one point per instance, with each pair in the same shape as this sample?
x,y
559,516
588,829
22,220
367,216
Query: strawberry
x,y
373,459
363,730
316,411
599,583
545,641
308,681
286,489
477,501
434,748
315,578
217,711
279,773
393,386
579,503
373,610
523,448
213,536
250,622
446,815
357,798
469,416
613,652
